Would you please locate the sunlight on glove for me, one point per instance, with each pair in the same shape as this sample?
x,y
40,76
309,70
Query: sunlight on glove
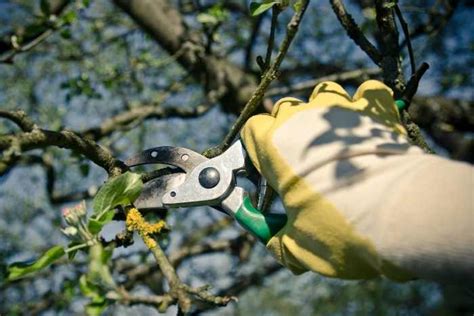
x,y
335,161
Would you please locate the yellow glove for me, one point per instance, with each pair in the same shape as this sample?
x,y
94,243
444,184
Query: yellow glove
x,y
323,158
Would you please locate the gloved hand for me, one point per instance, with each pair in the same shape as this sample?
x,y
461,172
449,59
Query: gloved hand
x,y
353,188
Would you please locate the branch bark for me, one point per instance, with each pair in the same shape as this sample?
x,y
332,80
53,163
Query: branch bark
x,y
12,145
392,71
223,81
354,32
19,118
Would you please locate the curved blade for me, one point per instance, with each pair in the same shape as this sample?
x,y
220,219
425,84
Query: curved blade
x,y
153,191
183,158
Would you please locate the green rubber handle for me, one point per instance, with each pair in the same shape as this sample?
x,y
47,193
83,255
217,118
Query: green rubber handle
x,y
262,226
401,104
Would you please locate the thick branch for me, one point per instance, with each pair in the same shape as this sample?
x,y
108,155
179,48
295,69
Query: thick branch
x,y
231,86
109,126
40,138
19,118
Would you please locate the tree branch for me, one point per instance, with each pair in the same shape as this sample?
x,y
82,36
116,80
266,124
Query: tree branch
x,y
167,27
142,113
13,145
9,49
19,118
404,25
271,39
176,286
354,32
268,77
255,278
124,297
392,71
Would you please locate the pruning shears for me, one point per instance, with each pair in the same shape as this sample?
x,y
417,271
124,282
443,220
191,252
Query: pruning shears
x,y
197,181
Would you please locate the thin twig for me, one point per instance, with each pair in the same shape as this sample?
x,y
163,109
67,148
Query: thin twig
x,y
254,278
141,113
8,57
406,32
203,293
271,39
52,24
268,77
354,32
176,286
412,85
123,296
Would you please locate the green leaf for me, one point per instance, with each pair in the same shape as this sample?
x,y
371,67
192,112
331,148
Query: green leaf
x,y
19,270
257,8
69,17
95,224
121,190
297,5
96,308
88,289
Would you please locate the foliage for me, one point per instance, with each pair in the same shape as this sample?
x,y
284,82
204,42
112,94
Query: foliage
x,y
19,270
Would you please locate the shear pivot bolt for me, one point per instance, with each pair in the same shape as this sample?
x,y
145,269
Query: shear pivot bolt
x,y
209,177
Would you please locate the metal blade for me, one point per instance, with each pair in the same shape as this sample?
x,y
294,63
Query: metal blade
x,y
153,191
194,193
183,158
